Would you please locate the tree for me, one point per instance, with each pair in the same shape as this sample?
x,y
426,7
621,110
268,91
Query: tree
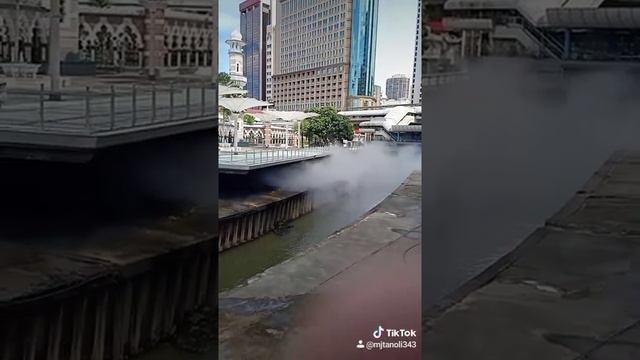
x,y
327,127
248,119
224,79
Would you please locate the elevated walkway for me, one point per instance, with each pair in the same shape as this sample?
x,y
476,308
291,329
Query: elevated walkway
x,y
83,122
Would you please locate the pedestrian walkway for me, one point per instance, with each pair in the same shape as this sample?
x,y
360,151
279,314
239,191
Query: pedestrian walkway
x,y
249,159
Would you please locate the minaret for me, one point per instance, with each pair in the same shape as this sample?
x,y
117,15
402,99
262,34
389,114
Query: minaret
x,y
236,71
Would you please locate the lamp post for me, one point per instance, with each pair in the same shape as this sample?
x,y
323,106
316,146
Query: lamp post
x,y
236,125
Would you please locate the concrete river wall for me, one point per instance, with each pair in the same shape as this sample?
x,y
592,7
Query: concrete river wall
x,y
246,220
114,295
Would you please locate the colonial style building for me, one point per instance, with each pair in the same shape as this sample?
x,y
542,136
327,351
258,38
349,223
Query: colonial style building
x,y
115,34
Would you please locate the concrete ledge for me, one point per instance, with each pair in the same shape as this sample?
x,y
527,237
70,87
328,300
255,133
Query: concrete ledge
x,y
398,214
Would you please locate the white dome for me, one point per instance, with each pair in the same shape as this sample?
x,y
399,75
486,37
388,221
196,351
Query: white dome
x,y
235,35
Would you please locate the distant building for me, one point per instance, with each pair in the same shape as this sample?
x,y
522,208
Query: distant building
x,y
254,20
269,65
416,78
398,87
377,93
324,53
236,68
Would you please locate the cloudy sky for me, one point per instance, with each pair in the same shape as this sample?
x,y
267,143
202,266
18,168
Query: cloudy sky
x,y
396,32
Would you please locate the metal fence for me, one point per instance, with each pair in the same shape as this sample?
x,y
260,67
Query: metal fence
x,y
104,109
437,79
267,156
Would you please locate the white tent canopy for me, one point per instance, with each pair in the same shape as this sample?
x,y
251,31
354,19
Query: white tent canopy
x,y
289,115
238,105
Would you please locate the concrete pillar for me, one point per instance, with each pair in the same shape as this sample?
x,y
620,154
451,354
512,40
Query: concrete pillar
x,y
463,44
54,49
154,38
566,53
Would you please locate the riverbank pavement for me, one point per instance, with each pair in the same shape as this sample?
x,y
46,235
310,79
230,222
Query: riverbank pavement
x,y
571,290
322,302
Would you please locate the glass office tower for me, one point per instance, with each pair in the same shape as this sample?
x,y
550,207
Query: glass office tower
x,y
364,30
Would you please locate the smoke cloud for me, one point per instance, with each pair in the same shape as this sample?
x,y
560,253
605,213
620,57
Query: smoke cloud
x,y
507,148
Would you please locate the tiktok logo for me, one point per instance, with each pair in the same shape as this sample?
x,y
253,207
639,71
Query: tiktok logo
x,y
378,333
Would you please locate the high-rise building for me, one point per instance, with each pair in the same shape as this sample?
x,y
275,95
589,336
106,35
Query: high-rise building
x,y
254,20
416,78
398,87
321,55
377,93
269,65
236,71
364,32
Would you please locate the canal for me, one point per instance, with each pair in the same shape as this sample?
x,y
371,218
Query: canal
x,y
345,187
504,151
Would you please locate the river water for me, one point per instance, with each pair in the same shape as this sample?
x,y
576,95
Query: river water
x,y
345,187
507,149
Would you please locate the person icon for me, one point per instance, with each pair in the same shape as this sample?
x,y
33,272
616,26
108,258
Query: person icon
x,y
360,345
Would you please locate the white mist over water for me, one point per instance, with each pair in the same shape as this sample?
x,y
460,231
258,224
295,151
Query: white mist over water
x,y
372,171
505,150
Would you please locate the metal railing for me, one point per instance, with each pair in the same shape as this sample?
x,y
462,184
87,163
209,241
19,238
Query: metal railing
x,y
436,79
104,109
267,156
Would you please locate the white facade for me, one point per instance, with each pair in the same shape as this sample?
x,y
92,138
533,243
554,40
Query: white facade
x,y
236,66
269,64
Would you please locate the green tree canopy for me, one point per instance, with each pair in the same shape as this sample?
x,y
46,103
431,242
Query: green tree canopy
x,y
248,119
327,127
224,79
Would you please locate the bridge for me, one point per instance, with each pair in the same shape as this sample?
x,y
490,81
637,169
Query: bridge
x,y
99,117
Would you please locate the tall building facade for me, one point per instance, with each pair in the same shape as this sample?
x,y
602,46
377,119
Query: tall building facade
x,y
377,93
364,32
254,20
398,87
416,78
314,48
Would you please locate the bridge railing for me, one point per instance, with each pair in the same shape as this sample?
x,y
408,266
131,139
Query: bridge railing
x,y
437,79
252,156
102,109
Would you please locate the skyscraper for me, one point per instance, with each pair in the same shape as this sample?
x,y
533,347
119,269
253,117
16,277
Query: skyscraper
x,y
398,87
254,19
324,52
416,78
364,31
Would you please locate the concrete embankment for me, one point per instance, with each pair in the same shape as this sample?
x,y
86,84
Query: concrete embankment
x,y
341,276
568,291
252,217
110,294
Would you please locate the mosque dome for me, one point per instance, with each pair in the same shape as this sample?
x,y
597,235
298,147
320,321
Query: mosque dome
x,y
235,35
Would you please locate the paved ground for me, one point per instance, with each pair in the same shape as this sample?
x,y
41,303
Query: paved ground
x,y
569,291
283,312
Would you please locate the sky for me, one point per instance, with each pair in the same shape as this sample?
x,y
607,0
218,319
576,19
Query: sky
x,y
396,34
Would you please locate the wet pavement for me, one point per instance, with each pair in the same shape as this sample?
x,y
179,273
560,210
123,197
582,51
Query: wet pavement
x,y
569,291
282,313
